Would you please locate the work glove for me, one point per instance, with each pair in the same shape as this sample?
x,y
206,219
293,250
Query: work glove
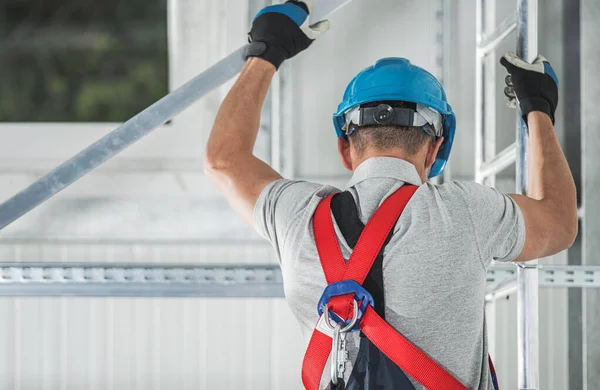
x,y
534,86
281,31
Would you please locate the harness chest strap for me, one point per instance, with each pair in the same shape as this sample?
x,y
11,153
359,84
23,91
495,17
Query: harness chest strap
x,y
396,347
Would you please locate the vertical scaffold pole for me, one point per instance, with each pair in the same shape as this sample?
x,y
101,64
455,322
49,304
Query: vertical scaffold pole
x,y
479,91
527,273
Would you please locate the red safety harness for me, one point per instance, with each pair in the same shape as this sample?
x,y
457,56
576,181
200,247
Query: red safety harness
x,y
396,347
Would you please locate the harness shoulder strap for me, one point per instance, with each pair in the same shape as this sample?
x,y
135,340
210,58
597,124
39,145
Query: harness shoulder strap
x,y
345,212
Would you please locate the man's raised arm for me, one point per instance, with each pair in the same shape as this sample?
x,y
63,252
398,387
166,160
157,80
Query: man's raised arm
x,y
229,160
278,32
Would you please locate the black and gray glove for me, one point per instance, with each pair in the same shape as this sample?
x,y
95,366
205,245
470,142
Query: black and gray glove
x,y
534,86
281,31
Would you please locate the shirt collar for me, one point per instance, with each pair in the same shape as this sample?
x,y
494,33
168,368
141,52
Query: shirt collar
x,y
385,167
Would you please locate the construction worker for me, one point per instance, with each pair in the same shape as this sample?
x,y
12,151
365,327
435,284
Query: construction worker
x,y
407,309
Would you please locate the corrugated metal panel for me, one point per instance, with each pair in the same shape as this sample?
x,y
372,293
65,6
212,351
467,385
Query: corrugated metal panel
x,y
148,344
77,343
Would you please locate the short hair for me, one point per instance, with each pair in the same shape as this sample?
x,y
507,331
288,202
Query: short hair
x,y
385,137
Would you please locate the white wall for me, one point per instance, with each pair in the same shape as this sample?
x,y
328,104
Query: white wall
x,y
362,32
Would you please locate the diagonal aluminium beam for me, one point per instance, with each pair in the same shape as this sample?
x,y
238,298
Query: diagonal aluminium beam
x,y
134,129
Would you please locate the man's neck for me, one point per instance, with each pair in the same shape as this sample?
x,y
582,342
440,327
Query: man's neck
x,y
414,160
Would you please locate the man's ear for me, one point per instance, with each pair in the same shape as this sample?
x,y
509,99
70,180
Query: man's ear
x,y
344,151
432,152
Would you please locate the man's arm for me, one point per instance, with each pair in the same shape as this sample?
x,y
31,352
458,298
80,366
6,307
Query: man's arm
x,y
550,207
278,33
229,160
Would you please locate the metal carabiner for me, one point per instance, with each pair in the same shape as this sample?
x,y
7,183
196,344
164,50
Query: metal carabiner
x,y
337,367
335,348
347,327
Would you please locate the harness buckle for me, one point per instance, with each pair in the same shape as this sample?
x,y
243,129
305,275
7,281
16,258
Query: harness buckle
x,y
361,300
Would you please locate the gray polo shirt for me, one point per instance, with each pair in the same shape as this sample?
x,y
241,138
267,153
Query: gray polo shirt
x,y
434,267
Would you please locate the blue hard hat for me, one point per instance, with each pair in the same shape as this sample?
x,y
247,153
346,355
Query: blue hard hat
x,y
397,79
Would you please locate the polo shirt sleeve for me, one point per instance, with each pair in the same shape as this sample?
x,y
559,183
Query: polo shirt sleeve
x,y
282,207
498,224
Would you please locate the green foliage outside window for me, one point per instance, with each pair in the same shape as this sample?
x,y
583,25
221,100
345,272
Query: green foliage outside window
x,y
81,60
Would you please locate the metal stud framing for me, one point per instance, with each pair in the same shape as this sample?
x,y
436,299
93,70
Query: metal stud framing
x,y
139,280
210,281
